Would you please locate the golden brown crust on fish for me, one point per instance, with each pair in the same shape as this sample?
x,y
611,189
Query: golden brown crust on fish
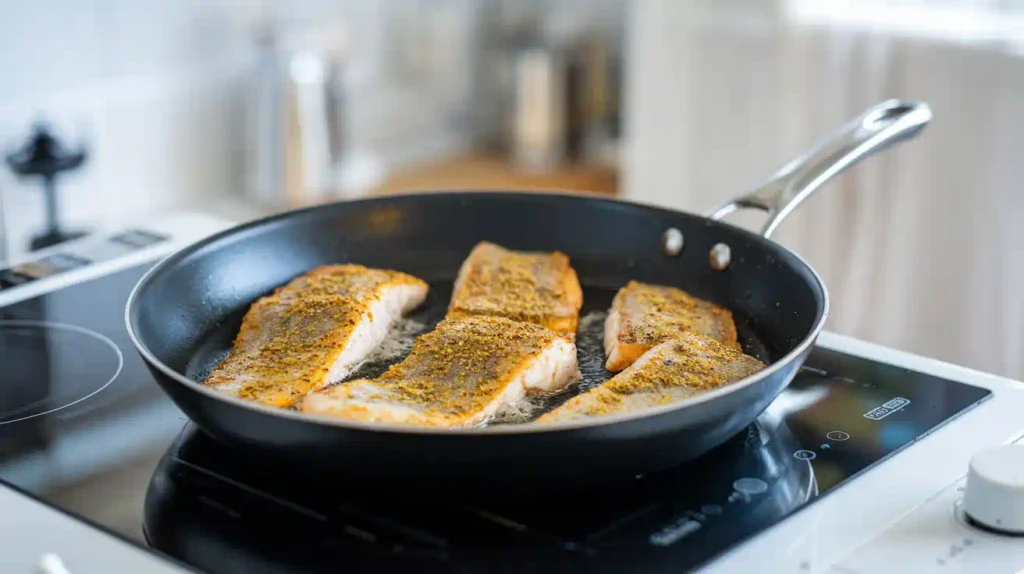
x,y
310,332
644,315
460,374
535,287
669,372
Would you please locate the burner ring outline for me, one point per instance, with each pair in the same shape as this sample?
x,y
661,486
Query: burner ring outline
x,y
76,329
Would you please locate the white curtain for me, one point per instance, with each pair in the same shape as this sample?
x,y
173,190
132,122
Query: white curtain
x,y
922,247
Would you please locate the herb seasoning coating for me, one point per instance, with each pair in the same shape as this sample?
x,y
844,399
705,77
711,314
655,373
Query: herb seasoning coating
x,y
644,315
459,374
539,288
290,342
669,372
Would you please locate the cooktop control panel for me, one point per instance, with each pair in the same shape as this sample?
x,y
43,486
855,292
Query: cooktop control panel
x,y
938,537
79,255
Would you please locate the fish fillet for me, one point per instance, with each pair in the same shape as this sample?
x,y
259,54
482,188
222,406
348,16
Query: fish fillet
x,y
535,287
644,315
458,375
672,371
313,331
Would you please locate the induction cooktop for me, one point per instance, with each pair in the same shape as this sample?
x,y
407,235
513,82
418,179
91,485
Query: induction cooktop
x,y
84,428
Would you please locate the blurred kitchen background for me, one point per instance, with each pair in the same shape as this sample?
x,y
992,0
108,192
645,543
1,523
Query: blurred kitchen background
x,y
130,108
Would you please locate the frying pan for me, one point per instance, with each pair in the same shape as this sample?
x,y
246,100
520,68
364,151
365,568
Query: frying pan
x,y
184,313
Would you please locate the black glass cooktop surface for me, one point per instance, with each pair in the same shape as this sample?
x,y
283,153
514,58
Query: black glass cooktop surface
x,y
85,428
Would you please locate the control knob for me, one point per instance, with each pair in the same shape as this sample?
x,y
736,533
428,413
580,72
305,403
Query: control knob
x,y
994,495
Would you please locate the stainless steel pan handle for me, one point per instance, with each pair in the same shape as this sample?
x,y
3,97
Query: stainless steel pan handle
x,y
881,126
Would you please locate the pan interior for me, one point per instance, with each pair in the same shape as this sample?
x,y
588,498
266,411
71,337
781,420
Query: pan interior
x,y
589,343
188,310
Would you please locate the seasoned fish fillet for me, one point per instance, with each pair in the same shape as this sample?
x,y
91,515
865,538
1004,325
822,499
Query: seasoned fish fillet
x,y
644,315
669,372
458,375
313,332
538,288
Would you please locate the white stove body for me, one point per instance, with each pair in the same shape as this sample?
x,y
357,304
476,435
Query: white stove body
x,y
898,516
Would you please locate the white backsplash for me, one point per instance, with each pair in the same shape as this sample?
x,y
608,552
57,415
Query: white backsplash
x,y
155,90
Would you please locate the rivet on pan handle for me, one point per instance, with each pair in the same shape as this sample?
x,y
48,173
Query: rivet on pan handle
x,y
881,126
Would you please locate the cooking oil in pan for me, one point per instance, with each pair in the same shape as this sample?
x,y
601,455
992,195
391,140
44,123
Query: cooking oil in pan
x,y
590,350
394,348
589,354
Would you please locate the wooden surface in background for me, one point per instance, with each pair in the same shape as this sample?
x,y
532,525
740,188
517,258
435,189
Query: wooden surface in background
x,y
484,172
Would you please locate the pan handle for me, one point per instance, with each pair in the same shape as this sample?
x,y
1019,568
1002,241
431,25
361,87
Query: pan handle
x,y
881,126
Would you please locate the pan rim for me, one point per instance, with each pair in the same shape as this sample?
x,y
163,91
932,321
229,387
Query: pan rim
x,y
498,430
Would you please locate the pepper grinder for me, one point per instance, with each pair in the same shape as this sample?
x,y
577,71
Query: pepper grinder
x,y
44,156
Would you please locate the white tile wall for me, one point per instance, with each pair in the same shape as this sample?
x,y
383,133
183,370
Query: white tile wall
x,y
47,46
155,88
148,86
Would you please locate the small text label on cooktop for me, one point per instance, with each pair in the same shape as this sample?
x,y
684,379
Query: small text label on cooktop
x,y
880,412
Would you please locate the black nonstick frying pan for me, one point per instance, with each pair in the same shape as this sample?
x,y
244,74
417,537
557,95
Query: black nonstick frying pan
x,y
185,312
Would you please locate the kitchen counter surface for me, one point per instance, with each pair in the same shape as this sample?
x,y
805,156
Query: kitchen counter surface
x,y
484,171
471,171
